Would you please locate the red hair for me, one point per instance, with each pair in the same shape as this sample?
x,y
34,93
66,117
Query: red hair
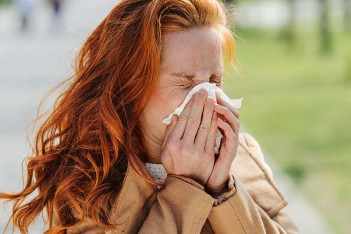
x,y
83,147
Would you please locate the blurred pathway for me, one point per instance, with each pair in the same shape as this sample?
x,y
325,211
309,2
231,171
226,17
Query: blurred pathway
x,y
301,210
34,61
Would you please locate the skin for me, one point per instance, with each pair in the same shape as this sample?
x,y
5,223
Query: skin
x,y
186,146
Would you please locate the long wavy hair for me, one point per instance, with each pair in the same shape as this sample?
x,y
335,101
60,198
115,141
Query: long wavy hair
x,y
82,149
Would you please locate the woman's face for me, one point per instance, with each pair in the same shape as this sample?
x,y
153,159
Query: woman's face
x,y
190,57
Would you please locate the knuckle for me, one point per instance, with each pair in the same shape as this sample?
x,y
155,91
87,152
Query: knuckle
x,y
205,128
226,110
211,136
192,120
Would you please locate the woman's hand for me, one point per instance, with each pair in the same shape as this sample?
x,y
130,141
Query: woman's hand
x,y
228,122
188,146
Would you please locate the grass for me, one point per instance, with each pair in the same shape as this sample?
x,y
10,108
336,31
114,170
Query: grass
x,y
298,105
4,2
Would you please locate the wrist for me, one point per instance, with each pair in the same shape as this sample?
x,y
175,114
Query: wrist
x,y
216,192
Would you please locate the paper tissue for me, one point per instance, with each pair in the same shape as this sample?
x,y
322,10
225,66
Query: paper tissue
x,y
211,89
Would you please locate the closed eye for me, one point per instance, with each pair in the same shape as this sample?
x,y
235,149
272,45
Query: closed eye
x,y
189,84
216,81
216,78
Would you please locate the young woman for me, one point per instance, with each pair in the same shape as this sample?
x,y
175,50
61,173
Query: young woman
x,y
105,162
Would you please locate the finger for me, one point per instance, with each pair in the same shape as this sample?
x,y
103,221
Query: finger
x,y
211,138
169,129
182,120
205,125
229,117
194,117
220,102
230,139
228,131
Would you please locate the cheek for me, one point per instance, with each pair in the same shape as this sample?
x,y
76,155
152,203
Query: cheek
x,y
152,126
160,106
164,103
157,109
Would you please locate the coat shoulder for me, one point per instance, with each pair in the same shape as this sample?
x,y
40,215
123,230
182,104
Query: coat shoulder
x,y
246,140
250,167
249,147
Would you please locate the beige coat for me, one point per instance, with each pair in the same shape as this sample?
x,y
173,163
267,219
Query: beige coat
x,y
253,204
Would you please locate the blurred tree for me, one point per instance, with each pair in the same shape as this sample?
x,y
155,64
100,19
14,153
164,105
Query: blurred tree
x,y
228,1
325,36
289,33
232,2
3,2
347,15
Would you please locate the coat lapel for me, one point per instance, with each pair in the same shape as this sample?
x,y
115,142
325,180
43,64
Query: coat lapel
x,y
133,203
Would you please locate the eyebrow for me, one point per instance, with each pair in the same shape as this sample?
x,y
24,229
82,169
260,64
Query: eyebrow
x,y
192,76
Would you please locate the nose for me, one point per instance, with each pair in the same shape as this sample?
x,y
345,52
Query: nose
x,y
200,82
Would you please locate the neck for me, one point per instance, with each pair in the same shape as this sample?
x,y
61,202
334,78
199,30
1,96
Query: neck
x,y
153,150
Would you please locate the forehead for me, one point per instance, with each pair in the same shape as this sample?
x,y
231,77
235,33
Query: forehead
x,y
195,51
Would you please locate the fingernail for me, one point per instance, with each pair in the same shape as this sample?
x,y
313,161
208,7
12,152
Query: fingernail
x,y
214,115
202,92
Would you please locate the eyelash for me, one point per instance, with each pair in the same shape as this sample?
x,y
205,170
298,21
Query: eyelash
x,y
187,86
217,81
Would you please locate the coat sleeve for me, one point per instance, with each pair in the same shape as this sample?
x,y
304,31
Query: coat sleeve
x,y
181,207
256,204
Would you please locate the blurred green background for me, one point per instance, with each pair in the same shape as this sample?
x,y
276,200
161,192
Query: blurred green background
x,y
296,80
5,2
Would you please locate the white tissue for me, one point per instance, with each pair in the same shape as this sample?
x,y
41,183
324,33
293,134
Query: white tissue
x,y
212,89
